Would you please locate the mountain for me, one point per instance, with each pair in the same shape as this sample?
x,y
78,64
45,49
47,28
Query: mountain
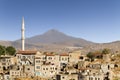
x,y
56,37
54,40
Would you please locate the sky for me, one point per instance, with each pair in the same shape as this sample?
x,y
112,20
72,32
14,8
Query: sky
x,y
93,20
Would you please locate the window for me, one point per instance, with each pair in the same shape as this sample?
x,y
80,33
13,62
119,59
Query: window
x,y
3,63
51,68
43,58
49,58
38,67
38,61
7,60
95,78
55,68
29,57
46,68
51,71
7,77
28,68
23,56
91,78
65,58
63,77
3,60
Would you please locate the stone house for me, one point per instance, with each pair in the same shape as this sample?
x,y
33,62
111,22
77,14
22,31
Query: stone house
x,y
15,74
67,77
49,70
74,56
26,57
64,58
5,62
50,58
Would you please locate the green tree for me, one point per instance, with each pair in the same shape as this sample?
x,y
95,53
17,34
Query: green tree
x,y
2,50
10,50
91,56
105,51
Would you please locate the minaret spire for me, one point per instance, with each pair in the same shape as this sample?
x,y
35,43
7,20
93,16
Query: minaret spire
x,y
23,34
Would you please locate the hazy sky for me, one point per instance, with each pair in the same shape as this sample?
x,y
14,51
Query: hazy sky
x,y
93,20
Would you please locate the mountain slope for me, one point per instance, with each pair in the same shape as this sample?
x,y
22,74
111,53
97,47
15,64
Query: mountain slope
x,y
56,37
54,40
5,43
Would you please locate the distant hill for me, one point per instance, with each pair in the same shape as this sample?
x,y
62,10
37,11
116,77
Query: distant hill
x,y
54,40
5,43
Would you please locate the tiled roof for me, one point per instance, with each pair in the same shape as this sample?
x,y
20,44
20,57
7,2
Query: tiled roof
x,y
49,54
64,54
27,52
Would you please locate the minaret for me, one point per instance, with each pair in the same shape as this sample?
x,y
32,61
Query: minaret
x,y
23,34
